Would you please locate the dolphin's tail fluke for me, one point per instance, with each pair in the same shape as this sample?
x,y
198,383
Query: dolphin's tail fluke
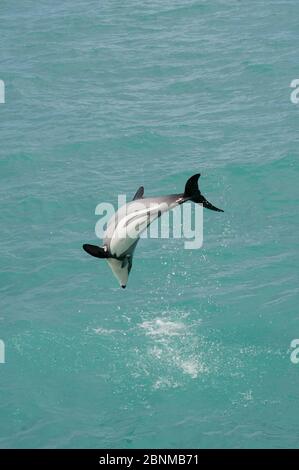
x,y
193,194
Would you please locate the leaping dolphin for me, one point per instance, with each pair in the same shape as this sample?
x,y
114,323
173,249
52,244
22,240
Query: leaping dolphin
x,y
125,227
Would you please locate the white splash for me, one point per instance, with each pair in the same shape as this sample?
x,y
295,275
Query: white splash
x,y
161,327
103,331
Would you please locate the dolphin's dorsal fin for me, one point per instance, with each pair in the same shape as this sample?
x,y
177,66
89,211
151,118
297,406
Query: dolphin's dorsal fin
x,y
191,187
139,193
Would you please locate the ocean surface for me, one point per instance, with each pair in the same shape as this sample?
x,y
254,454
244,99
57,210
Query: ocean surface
x,y
105,96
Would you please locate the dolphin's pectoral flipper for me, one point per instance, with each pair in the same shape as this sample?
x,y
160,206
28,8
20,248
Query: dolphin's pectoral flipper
x,y
192,193
139,193
96,251
127,263
130,261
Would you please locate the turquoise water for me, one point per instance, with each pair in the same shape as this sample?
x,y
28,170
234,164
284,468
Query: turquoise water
x,y
101,97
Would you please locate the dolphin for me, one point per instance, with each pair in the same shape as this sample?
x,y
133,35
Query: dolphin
x,y
125,227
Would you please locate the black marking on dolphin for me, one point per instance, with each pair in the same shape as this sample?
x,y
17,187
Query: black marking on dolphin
x,y
119,250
